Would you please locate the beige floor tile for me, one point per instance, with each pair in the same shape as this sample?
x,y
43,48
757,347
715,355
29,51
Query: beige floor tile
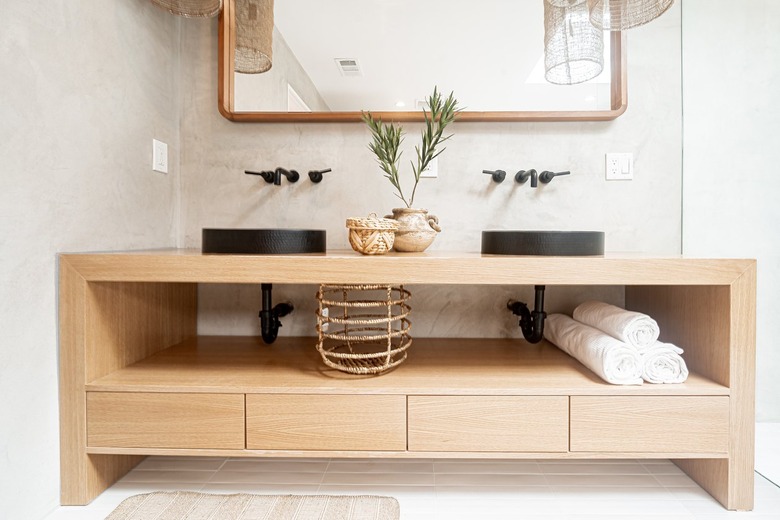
x,y
594,469
368,479
380,466
271,465
489,479
487,467
174,476
273,477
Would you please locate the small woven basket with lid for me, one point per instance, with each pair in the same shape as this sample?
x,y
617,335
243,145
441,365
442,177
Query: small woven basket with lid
x,y
371,235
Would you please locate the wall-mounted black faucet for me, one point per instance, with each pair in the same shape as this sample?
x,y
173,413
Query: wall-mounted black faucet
x,y
269,316
316,175
523,175
531,322
292,175
498,175
545,177
275,176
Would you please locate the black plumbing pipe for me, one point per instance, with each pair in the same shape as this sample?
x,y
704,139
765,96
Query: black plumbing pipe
x,y
269,316
531,322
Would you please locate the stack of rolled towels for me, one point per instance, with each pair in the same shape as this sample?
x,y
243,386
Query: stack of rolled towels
x,y
620,346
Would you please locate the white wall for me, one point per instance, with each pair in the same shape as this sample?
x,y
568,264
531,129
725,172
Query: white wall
x,y
84,87
642,215
731,181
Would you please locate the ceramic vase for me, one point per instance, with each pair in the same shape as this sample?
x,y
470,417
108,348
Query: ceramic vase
x,y
416,229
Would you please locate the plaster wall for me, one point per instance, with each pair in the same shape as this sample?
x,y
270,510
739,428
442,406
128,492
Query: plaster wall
x,y
732,180
642,215
84,88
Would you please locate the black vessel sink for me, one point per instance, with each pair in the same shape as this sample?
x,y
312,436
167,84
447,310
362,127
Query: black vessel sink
x,y
543,243
263,241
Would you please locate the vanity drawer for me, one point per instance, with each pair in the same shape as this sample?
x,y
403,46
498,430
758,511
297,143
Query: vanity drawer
x,y
647,424
489,423
326,422
159,420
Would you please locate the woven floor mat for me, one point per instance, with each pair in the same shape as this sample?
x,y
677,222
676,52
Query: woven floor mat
x,y
187,505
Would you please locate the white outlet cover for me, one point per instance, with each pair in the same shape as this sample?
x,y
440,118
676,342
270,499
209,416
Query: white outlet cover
x,y
620,166
159,156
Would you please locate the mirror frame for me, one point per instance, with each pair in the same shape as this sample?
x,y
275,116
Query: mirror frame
x,y
226,95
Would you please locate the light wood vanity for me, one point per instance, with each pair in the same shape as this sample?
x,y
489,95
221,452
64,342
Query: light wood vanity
x,y
136,380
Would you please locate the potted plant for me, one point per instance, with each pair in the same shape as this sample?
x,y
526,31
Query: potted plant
x,y
417,228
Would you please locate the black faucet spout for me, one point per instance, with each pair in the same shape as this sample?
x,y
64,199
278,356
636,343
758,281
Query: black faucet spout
x,y
524,175
292,175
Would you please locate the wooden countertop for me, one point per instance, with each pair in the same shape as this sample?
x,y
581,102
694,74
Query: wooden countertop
x,y
436,267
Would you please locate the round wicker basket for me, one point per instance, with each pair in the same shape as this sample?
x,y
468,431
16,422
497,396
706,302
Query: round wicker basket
x,y
363,329
371,235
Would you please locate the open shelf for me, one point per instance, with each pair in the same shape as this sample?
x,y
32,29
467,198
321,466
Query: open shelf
x,y
243,364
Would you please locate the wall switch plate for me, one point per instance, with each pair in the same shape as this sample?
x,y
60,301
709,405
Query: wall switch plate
x,y
620,166
432,171
159,156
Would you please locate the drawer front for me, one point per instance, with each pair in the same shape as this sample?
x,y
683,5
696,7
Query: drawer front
x,y
647,424
326,422
489,423
153,420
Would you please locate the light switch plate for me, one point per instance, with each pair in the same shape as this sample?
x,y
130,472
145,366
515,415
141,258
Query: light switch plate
x,y
159,156
620,166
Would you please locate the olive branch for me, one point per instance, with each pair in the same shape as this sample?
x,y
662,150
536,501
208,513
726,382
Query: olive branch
x,y
386,139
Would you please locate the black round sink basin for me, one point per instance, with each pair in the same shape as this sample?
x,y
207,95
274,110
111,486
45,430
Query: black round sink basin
x,y
263,241
543,243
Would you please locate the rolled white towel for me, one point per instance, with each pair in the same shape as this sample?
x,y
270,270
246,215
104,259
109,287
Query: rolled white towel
x,y
662,363
638,330
611,359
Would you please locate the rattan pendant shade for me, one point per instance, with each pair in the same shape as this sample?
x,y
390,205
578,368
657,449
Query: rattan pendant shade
x,y
254,36
619,15
191,8
573,47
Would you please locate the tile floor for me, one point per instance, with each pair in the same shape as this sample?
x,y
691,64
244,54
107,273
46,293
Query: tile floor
x,y
767,454
449,489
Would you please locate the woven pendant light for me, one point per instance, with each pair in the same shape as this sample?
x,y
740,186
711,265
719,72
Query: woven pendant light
x,y
191,8
573,47
254,35
619,15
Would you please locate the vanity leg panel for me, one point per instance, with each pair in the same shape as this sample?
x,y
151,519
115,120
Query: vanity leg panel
x,y
103,327
716,327
731,480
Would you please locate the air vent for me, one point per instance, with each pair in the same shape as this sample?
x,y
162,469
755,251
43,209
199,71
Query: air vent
x,y
348,66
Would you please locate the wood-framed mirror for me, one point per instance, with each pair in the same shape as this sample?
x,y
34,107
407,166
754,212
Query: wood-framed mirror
x,y
308,48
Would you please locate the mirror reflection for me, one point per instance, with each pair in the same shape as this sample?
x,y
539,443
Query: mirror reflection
x,y
386,55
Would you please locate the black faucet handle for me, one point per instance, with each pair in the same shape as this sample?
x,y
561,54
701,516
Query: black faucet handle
x,y
316,175
524,175
498,175
268,176
545,177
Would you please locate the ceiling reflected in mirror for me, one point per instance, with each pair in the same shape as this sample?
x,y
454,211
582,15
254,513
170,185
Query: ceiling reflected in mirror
x,y
344,56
